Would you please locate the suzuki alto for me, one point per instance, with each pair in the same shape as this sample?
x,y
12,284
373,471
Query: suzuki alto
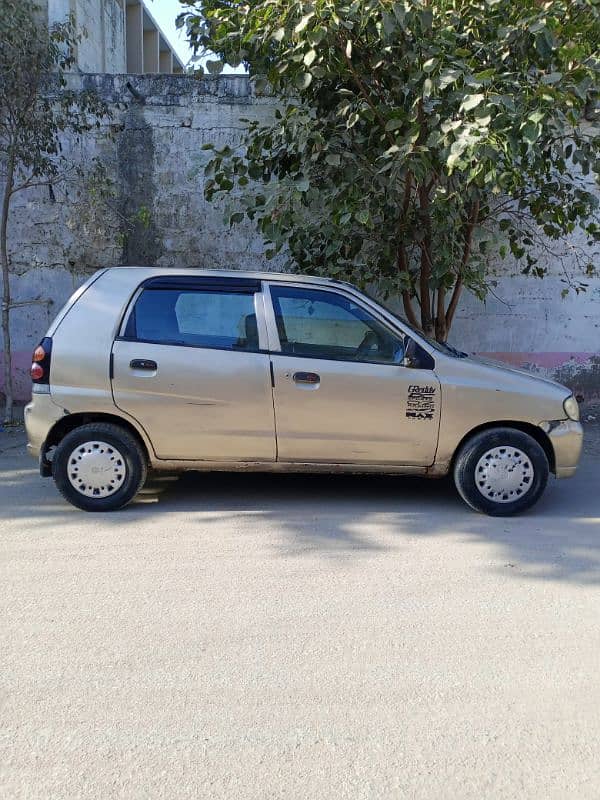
x,y
189,369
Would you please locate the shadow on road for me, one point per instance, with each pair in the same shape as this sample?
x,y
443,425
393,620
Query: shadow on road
x,y
330,515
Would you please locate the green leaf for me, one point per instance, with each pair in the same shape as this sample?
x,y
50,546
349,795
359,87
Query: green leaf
x,y
537,116
448,77
552,77
310,57
484,75
303,22
215,67
303,80
394,124
451,125
471,101
483,120
531,131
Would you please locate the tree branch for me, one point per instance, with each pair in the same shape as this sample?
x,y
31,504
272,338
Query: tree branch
x,y
409,310
425,268
366,96
470,226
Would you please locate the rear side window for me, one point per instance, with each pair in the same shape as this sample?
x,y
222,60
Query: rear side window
x,y
194,318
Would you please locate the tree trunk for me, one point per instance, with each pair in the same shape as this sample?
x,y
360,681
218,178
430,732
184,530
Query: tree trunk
x,y
6,298
425,269
470,224
441,330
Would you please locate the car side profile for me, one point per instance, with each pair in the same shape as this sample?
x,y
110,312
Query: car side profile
x,y
163,369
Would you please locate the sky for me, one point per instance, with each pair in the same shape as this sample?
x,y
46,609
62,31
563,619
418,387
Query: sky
x,y
165,12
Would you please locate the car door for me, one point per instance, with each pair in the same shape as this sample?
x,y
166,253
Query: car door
x,y
191,367
341,391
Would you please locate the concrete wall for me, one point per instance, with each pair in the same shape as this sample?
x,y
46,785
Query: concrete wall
x,y
159,216
103,49
117,36
102,23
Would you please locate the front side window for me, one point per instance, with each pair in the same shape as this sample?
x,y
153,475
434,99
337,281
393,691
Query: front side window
x,y
322,324
196,318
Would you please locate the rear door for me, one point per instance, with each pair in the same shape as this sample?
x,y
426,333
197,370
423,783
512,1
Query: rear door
x,y
191,367
342,393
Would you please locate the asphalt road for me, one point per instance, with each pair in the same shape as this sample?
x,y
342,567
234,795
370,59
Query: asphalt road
x,y
249,637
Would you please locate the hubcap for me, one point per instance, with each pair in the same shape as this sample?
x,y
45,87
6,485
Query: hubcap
x,y
96,469
504,474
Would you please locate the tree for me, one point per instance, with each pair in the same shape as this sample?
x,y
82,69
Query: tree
x,y
36,111
414,141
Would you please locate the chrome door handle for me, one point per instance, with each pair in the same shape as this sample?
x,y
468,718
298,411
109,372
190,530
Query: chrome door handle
x,y
307,377
143,363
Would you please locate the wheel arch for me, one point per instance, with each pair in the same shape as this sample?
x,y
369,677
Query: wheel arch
x,y
534,431
70,422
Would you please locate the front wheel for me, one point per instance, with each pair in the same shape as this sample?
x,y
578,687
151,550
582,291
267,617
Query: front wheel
x,y
501,471
99,467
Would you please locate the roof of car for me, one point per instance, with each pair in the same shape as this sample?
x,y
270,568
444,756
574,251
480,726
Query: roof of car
x,y
232,273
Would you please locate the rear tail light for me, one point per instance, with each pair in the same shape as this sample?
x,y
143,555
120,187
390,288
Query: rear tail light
x,y
40,368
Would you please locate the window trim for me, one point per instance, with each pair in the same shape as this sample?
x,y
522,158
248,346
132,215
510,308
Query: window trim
x,y
191,346
205,283
217,286
274,331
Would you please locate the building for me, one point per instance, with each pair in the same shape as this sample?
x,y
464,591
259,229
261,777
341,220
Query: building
x,y
121,36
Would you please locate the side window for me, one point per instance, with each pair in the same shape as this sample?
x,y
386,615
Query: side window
x,y
325,324
219,319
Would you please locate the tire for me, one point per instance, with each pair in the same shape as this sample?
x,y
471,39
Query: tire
x,y
501,472
99,467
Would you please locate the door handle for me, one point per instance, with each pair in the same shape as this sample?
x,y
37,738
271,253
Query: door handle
x,y
310,378
143,363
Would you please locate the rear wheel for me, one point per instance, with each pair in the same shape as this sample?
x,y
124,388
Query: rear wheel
x,y
99,467
501,471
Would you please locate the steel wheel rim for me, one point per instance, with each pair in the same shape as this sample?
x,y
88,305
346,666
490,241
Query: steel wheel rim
x,y
504,474
96,469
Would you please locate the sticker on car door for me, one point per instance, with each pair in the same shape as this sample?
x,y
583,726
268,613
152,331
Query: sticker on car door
x,y
420,402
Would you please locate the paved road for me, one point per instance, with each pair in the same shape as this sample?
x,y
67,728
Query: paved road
x,y
291,637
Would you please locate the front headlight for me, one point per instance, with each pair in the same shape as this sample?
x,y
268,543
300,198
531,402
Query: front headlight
x,y
571,408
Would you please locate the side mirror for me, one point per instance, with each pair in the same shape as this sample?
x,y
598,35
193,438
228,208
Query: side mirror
x,y
415,357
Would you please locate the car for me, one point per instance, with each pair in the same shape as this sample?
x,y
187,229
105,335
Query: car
x,y
187,369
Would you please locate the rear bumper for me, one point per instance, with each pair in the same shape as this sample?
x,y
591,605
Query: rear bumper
x,y
40,416
567,441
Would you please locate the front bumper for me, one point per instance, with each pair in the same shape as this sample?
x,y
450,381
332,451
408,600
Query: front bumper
x,y
567,440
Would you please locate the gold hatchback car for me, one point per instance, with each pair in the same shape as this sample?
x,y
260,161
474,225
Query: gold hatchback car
x,y
148,368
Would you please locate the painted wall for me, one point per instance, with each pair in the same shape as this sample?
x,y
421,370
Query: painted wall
x,y
158,215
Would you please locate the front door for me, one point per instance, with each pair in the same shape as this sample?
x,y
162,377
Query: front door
x,y
189,368
341,392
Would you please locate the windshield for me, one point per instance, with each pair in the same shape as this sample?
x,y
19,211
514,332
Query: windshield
x,y
441,347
